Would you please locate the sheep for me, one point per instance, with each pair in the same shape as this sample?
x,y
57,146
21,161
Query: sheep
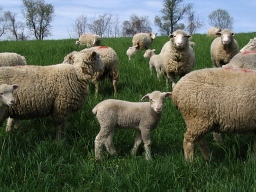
x,y
223,48
53,90
131,51
141,116
212,31
11,59
111,65
6,99
166,46
215,99
179,57
155,61
89,40
250,46
143,40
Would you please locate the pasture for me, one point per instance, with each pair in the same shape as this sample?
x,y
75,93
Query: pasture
x,y
31,158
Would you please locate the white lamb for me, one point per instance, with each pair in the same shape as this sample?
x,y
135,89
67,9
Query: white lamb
x,y
131,51
143,40
141,116
6,99
11,59
212,31
155,61
90,40
223,48
179,57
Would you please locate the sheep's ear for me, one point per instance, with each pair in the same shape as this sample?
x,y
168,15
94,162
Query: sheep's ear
x,y
171,36
145,97
188,36
93,54
232,34
15,86
218,34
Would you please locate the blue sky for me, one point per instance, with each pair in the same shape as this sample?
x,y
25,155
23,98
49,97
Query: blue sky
x,y
66,11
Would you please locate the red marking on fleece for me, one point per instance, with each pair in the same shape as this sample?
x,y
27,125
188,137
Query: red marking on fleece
x,y
102,47
240,69
248,52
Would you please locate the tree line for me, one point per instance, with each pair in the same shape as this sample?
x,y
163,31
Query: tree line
x,y
175,14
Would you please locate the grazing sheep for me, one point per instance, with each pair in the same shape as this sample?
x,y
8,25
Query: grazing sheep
x,y
90,40
212,31
131,51
11,59
192,44
179,57
223,48
54,90
155,61
215,99
141,116
111,65
143,40
6,99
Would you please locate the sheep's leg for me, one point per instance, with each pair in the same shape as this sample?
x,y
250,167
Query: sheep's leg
x,y
188,146
12,124
254,147
151,70
137,143
204,149
171,76
96,88
145,134
60,129
115,87
218,138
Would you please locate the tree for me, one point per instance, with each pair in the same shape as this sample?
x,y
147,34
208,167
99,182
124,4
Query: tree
x,y
194,22
136,25
100,25
16,28
221,19
3,23
173,12
38,16
80,25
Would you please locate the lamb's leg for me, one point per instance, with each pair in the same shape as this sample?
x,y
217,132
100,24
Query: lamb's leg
x,y
60,126
115,87
12,124
104,137
96,88
145,134
137,143
204,149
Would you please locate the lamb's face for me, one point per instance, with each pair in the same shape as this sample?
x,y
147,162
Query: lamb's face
x,y
156,99
6,94
148,53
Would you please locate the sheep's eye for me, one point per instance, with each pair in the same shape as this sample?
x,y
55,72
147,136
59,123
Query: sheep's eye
x,y
1,93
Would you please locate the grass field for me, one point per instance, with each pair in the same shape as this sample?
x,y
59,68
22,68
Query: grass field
x,y
31,159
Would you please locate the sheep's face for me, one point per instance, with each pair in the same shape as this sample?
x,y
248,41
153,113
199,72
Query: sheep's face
x,y
153,35
251,46
6,94
156,99
179,39
226,37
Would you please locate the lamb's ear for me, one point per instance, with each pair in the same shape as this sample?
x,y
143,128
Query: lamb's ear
x,y
167,94
15,86
171,36
145,97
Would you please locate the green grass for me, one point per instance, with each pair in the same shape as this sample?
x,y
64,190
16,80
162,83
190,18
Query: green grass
x,y
30,158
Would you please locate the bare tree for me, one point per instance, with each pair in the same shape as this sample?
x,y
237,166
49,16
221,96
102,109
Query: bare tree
x,y
3,23
193,22
80,25
221,19
100,25
173,12
16,28
38,17
136,25
116,27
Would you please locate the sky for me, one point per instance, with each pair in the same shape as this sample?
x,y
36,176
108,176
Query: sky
x,y
67,11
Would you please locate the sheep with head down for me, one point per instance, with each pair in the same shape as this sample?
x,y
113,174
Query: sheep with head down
x,y
11,59
143,40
